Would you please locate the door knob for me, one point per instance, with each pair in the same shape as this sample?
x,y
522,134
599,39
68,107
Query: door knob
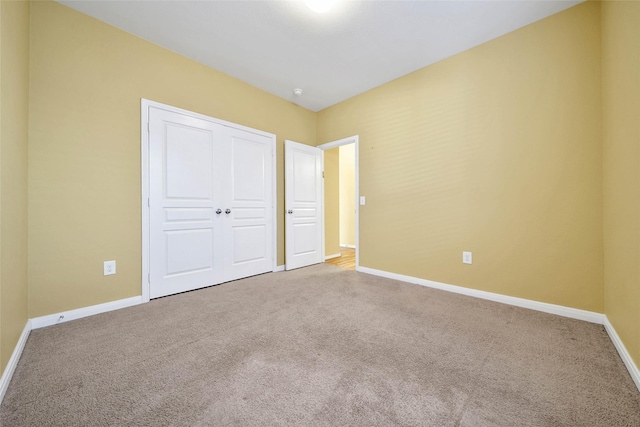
x,y
290,211
227,211
218,211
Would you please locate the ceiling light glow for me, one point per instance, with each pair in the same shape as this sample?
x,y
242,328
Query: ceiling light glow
x,y
320,6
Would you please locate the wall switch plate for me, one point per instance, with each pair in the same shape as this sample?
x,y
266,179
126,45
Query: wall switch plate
x,y
467,257
362,201
109,268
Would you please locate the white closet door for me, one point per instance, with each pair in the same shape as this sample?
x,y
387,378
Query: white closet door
x,y
248,195
185,235
303,200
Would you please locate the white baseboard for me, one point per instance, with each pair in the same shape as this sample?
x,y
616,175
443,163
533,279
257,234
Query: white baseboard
x,y
347,246
331,256
622,351
559,310
278,268
13,361
65,316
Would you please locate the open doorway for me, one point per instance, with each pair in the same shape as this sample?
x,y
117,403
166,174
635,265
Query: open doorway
x,y
340,203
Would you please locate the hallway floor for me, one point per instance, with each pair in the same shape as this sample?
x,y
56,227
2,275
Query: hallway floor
x,y
346,260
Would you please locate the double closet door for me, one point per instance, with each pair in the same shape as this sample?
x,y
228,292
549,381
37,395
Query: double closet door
x,y
211,202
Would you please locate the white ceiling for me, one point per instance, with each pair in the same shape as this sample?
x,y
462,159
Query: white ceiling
x,y
281,45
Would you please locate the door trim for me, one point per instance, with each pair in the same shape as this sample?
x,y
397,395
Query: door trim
x,y
334,144
145,105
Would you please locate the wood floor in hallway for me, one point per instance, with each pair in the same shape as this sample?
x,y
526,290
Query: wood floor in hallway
x,y
346,260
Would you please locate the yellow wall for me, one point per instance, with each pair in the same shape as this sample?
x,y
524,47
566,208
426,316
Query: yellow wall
x,y
497,151
347,195
332,202
621,131
87,79
14,102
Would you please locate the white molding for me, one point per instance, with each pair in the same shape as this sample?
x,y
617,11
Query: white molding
x,y
622,351
278,268
331,256
322,201
13,361
65,316
274,202
333,144
144,179
347,246
574,313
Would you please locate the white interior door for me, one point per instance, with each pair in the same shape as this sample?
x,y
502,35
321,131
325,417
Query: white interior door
x,y
303,201
211,201
248,236
185,235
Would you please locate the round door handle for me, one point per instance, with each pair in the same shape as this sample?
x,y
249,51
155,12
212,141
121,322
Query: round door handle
x,y
227,211
218,211
290,211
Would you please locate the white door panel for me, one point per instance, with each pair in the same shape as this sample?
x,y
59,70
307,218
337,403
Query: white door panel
x,y
184,246
305,174
303,188
250,242
304,238
198,258
249,163
211,202
188,214
248,239
188,167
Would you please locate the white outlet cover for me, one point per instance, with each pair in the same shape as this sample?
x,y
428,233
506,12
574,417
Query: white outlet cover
x,y
109,268
467,257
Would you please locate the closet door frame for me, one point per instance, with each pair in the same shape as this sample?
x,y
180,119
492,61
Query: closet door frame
x,y
145,105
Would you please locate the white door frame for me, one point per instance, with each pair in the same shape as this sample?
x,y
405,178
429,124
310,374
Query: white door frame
x,y
334,144
145,104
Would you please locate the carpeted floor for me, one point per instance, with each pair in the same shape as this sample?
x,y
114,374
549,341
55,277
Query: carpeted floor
x,y
321,346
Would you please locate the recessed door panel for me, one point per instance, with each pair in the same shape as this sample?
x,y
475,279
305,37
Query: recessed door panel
x,y
250,244
188,214
302,213
188,168
306,176
304,238
198,257
249,162
249,213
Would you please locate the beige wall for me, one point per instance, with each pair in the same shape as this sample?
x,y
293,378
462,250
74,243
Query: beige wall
x,y
14,98
621,130
347,195
87,79
497,151
332,202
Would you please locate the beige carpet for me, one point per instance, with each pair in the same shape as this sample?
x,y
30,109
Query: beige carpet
x,y
321,346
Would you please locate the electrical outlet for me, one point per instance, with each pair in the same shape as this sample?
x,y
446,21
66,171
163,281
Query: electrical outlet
x,y
109,268
467,257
